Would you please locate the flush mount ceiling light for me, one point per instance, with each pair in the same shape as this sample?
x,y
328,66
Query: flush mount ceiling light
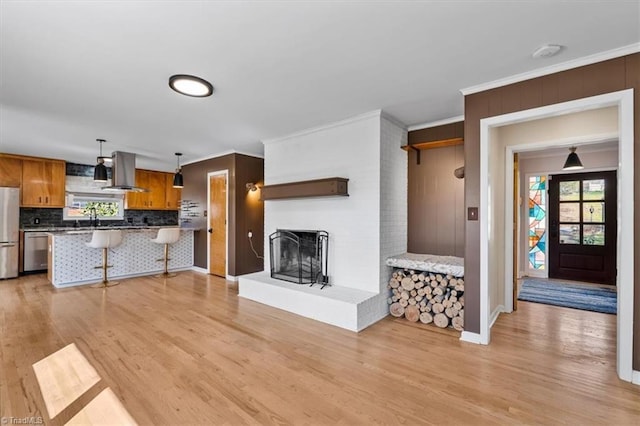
x,y
100,172
573,161
190,85
546,51
178,182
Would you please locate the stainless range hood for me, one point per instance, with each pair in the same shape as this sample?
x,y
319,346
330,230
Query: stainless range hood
x,y
123,173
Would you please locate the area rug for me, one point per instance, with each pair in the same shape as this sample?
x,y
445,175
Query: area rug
x,y
570,295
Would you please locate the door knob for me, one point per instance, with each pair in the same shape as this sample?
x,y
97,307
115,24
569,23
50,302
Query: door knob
x,y
210,230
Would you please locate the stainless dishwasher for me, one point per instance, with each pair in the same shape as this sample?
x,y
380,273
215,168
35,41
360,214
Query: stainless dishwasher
x,y
36,250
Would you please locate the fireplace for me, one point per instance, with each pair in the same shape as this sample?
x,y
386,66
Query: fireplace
x,y
299,256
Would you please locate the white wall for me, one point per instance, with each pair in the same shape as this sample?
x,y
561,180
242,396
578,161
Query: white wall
x,y
392,200
363,228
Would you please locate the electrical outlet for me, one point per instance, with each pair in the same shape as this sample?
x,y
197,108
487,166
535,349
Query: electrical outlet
x,y
250,234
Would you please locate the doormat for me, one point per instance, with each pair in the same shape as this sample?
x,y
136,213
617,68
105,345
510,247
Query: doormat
x,y
569,295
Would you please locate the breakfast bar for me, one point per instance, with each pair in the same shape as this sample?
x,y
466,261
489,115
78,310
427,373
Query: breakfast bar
x,y
72,263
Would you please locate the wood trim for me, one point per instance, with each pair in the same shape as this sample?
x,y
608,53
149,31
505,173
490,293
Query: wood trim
x,y
334,186
28,157
434,144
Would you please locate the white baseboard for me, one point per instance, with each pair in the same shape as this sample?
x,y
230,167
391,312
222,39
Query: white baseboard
x,y
232,278
495,314
635,377
470,337
199,269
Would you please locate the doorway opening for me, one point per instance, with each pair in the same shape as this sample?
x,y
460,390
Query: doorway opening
x,y
217,228
496,215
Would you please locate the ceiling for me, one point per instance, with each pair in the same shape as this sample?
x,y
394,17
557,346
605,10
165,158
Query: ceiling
x,y
72,72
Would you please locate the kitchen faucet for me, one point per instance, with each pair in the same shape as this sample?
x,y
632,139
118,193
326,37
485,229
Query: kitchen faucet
x,y
93,217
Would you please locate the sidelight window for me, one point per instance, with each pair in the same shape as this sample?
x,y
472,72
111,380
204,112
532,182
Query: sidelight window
x,y
537,222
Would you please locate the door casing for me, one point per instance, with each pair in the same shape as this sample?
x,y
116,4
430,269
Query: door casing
x,y
623,100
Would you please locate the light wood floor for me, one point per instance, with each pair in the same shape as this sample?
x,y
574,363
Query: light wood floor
x,y
189,351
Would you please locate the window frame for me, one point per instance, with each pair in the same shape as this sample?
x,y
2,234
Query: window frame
x,y
73,197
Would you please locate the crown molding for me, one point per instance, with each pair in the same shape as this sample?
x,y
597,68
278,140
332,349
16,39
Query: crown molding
x,y
563,66
221,154
393,120
365,116
436,123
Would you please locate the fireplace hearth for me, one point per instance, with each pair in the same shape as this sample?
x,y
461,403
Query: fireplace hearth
x,y
299,256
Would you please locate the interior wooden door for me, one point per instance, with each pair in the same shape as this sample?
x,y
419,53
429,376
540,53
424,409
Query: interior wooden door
x,y
582,227
218,225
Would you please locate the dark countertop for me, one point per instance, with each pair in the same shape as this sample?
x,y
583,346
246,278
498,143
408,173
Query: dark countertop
x,y
90,228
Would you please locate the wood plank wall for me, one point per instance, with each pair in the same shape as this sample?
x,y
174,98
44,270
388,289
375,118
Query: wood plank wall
x,y
591,80
436,196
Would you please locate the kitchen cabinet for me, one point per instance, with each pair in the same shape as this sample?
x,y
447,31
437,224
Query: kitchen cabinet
x,y
43,183
152,200
172,195
10,172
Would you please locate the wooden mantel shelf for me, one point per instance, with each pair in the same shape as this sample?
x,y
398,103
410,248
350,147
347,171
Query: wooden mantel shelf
x,y
334,186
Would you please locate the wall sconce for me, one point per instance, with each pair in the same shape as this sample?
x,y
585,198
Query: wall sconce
x,y
251,186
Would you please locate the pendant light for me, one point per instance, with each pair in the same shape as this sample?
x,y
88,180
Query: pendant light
x,y
177,178
573,161
100,172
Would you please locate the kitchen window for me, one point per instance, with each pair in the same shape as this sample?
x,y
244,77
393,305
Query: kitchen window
x,y
107,206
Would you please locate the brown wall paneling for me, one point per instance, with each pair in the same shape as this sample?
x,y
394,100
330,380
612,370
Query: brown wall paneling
x,y
245,210
596,79
436,202
195,190
437,133
632,79
249,215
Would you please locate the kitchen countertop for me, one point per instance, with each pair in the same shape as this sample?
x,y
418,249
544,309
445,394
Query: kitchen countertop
x,y
91,228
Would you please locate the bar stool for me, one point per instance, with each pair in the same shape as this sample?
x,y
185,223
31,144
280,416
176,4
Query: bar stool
x,y
105,240
166,236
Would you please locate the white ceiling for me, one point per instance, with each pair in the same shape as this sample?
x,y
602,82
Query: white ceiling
x,y
72,72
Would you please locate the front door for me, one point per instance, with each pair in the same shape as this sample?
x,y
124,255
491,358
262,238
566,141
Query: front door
x,y
218,225
582,227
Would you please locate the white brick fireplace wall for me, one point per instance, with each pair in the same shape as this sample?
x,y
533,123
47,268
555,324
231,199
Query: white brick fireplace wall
x,y
363,228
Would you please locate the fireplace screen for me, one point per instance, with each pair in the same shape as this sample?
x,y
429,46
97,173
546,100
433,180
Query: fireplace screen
x,y
299,256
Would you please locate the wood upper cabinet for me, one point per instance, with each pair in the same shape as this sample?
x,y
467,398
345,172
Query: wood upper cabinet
x,y
156,198
137,200
172,195
156,187
10,172
43,183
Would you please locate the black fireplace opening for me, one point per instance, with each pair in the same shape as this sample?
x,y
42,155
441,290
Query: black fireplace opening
x,y
299,256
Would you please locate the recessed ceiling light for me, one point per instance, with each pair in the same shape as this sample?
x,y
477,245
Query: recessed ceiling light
x,y
190,85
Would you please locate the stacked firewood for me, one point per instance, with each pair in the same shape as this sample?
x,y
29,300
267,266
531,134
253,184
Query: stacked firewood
x,y
427,297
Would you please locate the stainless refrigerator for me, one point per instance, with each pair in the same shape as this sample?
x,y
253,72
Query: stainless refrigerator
x,y
9,231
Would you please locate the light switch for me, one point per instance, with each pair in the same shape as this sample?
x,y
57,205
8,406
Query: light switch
x,y
472,213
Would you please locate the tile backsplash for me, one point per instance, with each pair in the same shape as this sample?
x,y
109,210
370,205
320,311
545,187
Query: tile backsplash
x,y
48,218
